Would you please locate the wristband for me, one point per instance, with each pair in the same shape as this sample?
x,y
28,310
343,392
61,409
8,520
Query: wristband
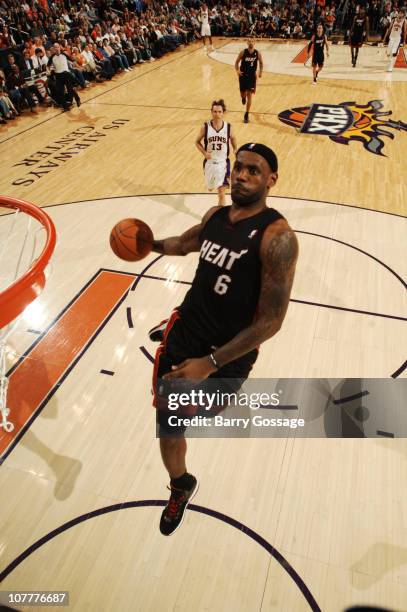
x,y
214,362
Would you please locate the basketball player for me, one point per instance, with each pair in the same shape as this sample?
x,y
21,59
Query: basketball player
x,y
396,34
246,68
216,136
205,27
358,34
317,42
237,301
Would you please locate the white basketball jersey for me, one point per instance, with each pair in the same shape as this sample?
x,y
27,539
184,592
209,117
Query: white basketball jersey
x,y
205,18
396,30
217,141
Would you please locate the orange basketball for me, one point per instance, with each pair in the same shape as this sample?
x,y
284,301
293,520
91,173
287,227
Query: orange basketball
x,y
131,239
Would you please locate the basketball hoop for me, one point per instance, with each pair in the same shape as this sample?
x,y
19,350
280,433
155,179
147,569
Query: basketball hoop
x,y
20,288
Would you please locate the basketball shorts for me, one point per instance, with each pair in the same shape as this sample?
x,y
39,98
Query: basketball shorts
x,y
318,60
178,345
356,41
205,30
247,83
217,173
393,47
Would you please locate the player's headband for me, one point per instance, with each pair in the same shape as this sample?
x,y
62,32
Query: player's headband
x,y
261,149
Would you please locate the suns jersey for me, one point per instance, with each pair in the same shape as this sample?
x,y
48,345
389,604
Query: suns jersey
x,y
217,141
224,295
397,30
204,18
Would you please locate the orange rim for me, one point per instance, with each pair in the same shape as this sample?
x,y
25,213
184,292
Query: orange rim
x,y
25,289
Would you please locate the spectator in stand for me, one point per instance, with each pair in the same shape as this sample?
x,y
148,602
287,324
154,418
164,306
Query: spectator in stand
x,y
16,82
102,60
6,38
14,95
142,44
117,47
297,32
7,108
114,57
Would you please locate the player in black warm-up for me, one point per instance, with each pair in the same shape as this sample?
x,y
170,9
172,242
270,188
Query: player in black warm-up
x,y
246,68
238,299
358,34
317,43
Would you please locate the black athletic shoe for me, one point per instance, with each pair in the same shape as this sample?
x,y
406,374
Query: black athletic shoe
x,y
174,511
246,118
156,334
243,99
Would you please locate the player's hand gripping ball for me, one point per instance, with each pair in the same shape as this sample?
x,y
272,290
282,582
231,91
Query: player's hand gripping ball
x,y
131,239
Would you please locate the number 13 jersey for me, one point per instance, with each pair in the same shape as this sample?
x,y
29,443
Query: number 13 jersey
x,y
217,141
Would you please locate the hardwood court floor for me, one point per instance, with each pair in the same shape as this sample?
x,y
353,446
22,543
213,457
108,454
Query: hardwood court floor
x,y
334,510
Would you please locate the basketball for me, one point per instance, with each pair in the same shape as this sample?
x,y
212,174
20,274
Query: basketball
x,y
131,239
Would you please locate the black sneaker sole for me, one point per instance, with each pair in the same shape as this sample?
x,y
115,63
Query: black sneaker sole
x,y
156,334
191,497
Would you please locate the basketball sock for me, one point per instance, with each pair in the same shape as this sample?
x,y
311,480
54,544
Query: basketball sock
x,y
183,482
356,55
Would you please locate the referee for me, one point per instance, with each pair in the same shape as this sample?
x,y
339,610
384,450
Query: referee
x,y
64,78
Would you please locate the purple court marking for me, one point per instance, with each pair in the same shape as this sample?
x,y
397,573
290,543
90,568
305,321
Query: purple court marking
x,y
351,246
385,434
144,270
273,552
129,319
306,302
355,310
146,353
205,193
400,370
108,372
350,398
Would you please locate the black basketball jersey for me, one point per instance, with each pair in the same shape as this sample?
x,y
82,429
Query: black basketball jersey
x,y
359,27
248,65
319,42
225,291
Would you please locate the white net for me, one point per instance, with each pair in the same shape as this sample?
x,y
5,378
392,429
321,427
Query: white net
x,y
22,239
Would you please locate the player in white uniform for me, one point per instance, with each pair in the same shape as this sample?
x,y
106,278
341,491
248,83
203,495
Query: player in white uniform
x,y
216,135
396,34
205,27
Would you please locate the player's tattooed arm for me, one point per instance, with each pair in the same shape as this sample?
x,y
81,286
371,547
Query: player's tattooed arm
x,y
188,242
279,252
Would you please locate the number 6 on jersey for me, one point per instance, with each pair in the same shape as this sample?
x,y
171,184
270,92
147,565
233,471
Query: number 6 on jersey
x,y
221,285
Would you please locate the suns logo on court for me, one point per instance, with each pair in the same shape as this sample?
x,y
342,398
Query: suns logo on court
x,y
345,122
